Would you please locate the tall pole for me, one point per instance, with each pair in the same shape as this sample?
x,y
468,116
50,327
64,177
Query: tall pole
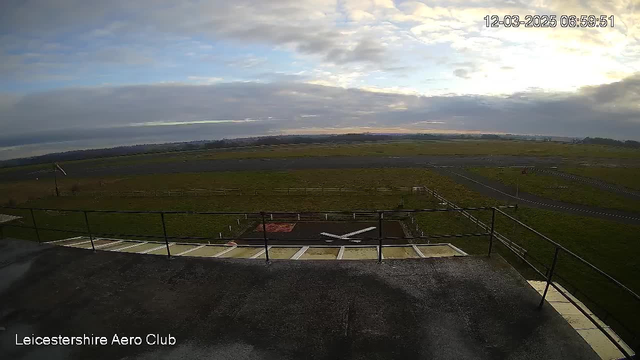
x,y
35,226
166,239
86,221
379,237
264,234
55,179
553,266
493,225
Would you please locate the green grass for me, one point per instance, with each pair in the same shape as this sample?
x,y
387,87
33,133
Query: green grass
x,y
556,188
629,177
387,148
609,245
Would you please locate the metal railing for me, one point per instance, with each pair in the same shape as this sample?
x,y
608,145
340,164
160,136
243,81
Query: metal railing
x,y
549,275
305,191
263,217
368,215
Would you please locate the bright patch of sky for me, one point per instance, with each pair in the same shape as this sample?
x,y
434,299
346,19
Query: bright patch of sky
x,y
424,48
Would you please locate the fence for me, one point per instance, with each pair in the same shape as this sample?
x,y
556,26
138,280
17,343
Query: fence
x,y
308,191
631,335
548,273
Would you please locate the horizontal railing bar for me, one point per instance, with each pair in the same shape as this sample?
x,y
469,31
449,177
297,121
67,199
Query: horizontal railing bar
x,y
593,267
527,262
258,213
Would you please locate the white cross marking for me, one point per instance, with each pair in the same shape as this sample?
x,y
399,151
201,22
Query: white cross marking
x,y
346,236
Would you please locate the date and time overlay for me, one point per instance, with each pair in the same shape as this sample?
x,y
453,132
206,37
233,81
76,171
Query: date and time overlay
x,y
550,21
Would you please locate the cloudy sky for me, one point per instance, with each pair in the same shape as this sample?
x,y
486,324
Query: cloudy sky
x,y
82,73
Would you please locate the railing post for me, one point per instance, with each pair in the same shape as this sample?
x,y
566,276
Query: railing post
x,y
553,265
166,239
493,224
264,234
86,221
35,226
379,236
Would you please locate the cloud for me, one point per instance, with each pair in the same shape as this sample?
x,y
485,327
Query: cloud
x,y
461,73
180,112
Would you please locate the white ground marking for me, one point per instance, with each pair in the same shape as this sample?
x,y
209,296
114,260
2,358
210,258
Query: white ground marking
x,y
297,255
78,243
127,247
223,252
259,253
602,345
107,244
340,253
346,236
418,251
458,250
190,250
156,248
57,241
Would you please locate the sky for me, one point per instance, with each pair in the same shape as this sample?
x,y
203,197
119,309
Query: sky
x,y
77,74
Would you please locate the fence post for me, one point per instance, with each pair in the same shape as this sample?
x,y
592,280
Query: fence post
x,y
379,236
493,224
264,235
35,226
86,221
166,239
546,288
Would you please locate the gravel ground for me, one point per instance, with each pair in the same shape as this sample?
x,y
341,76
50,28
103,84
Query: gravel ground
x,y
443,308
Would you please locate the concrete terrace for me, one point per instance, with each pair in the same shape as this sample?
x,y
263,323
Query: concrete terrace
x,y
276,252
435,308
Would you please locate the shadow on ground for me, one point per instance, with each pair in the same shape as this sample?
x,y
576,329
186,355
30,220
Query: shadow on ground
x,y
444,308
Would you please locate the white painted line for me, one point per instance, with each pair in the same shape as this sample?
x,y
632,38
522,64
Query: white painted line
x,y
156,248
458,250
57,241
331,235
340,253
190,250
78,243
345,236
418,251
297,255
257,255
127,247
105,245
223,252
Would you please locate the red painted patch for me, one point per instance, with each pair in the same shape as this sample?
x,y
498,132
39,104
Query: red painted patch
x,y
277,227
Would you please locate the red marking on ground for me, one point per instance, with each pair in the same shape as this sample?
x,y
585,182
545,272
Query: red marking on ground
x,y
277,227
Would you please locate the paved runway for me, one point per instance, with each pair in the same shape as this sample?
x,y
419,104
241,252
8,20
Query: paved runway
x,y
333,162
497,190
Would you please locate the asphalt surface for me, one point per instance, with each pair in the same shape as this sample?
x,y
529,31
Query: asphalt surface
x,y
311,232
498,190
619,190
444,308
303,163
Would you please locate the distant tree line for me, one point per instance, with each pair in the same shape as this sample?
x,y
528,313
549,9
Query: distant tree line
x,y
610,142
280,140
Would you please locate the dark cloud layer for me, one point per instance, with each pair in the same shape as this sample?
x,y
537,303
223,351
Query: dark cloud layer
x,y
106,116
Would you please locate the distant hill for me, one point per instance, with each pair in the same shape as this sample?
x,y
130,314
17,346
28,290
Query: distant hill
x,y
281,140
